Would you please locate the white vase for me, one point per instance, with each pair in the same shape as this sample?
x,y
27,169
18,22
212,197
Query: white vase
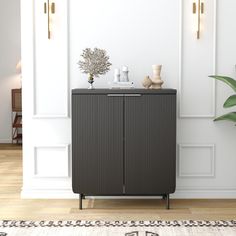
x,y
116,76
125,74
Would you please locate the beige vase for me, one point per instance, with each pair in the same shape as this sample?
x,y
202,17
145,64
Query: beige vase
x,y
147,82
156,80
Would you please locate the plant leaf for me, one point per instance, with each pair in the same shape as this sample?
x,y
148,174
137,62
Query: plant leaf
x,y
230,81
230,102
230,116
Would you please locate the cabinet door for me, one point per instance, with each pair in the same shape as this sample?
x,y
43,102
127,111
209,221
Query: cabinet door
x,y
97,139
150,144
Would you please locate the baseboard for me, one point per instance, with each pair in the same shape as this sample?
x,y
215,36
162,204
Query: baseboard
x,y
205,194
48,194
179,194
5,140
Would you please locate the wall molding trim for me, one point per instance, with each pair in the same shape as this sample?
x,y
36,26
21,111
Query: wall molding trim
x,y
66,113
211,174
35,168
181,114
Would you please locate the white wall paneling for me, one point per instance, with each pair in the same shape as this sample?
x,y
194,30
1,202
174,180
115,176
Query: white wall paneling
x,y
51,161
197,61
196,160
137,34
46,89
51,74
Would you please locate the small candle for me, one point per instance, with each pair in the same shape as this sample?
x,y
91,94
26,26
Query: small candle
x,y
125,68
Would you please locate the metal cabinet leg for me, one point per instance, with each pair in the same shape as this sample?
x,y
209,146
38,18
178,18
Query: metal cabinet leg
x,y
80,201
167,201
164,197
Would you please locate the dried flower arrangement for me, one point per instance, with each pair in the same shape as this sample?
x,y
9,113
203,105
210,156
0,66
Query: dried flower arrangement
x,y
95,63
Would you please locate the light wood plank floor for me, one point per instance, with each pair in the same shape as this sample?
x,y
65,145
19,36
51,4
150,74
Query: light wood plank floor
x,y
12,207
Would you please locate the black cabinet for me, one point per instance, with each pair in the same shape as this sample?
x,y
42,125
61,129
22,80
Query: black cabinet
x,y
123,142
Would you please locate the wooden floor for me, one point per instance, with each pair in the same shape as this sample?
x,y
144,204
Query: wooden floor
x,y
12,207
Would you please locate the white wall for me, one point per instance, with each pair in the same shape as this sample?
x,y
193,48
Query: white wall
x,y
9,56
136,33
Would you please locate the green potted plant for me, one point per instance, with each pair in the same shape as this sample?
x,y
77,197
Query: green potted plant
x,y
231,101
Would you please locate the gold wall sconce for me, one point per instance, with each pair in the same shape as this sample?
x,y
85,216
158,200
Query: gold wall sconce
x,y
49,8
198,8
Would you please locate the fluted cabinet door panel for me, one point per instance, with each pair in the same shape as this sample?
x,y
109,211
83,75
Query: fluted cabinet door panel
x,y
97,144
150,144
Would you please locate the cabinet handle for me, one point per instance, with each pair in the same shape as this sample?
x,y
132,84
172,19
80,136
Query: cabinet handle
x,y
124,95
133,95
115,95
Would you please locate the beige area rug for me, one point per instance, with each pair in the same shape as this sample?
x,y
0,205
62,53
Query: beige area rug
x,y
121,228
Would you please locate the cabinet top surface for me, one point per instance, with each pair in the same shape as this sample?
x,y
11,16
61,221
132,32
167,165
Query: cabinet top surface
x,y
123,91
